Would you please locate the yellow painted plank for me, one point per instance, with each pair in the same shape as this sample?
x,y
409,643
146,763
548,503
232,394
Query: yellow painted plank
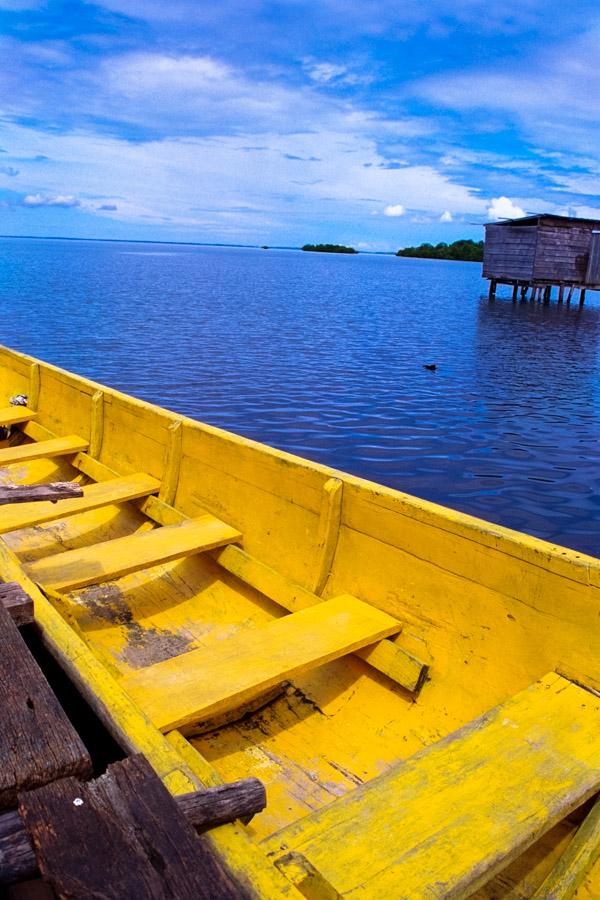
x,y
211,681
385,656
118,490
61,446
111,559
577,860
446,821
12,415
132,729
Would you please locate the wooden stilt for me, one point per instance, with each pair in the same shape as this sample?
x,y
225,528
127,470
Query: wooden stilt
x,y
561,291
581,296
515,291
570,294
524,291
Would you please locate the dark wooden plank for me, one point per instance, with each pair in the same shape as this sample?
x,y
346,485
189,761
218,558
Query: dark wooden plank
x,y
17,859
203,809
224,803
37,741
122,836
17,603
26,493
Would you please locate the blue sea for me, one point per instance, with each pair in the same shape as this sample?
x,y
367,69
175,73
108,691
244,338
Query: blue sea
x,y
324,355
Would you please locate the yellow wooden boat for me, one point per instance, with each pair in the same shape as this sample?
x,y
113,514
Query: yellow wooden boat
x,y
417,689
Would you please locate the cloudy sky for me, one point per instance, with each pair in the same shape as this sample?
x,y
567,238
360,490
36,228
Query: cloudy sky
x,y
378,123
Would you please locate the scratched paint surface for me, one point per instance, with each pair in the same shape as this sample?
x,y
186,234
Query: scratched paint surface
x,y
323,356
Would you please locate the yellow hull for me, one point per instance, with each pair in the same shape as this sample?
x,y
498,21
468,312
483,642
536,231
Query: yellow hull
x,y
489,611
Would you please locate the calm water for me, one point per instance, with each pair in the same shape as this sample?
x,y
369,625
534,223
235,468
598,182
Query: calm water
x,y
323,355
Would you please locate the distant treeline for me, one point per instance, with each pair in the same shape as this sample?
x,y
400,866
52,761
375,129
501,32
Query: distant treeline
x,y
329,248
471,251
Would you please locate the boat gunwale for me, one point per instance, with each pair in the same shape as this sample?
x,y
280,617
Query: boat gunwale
x,y
559,560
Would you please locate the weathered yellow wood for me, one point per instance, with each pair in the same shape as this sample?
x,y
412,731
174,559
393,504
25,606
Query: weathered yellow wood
x,y
112,559
170,479
96,424
36,431
490,609
397,663
34,386
444,822
329,529
118,490
43,450
385,656
12,415
92,468
579,857
214,680
136,734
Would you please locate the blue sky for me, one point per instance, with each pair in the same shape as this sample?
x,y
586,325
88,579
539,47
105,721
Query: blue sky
x,y
373,123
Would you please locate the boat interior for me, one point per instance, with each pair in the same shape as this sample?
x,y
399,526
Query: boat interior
x,y
375,659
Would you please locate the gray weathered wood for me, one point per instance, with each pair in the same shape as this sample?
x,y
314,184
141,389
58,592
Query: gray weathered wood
x,y
17,602
37,741
546,248
203,809
122,836
28,493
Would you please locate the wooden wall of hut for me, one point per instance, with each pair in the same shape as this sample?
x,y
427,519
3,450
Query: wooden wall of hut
x,y
509,251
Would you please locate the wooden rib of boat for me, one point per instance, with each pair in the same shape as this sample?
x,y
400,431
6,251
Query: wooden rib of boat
x,y
417,689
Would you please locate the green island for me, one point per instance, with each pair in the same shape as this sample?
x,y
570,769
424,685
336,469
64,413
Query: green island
x,y
329,248
467,250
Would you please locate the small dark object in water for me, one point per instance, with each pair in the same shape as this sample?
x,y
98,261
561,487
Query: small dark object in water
x,y
431,367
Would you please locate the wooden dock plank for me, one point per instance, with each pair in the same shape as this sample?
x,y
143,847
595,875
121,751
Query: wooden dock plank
x,y
61,446
443,823
37,742
13,415
122,836
209,682
204,809
17,603
111,559
117,490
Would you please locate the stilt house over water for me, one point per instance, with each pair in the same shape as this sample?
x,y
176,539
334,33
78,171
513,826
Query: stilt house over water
x,y
538,252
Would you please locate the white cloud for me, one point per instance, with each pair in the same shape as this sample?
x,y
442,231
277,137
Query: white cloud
x,y
503,208
395,210
554,96
66,201
324,72
446,216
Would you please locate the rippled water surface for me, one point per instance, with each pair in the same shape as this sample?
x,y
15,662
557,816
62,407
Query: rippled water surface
x,y
323,355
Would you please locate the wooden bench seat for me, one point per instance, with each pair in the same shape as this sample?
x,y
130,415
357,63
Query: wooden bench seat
x,y
116,490
209,682
447,820
61,446
120,556
13,415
